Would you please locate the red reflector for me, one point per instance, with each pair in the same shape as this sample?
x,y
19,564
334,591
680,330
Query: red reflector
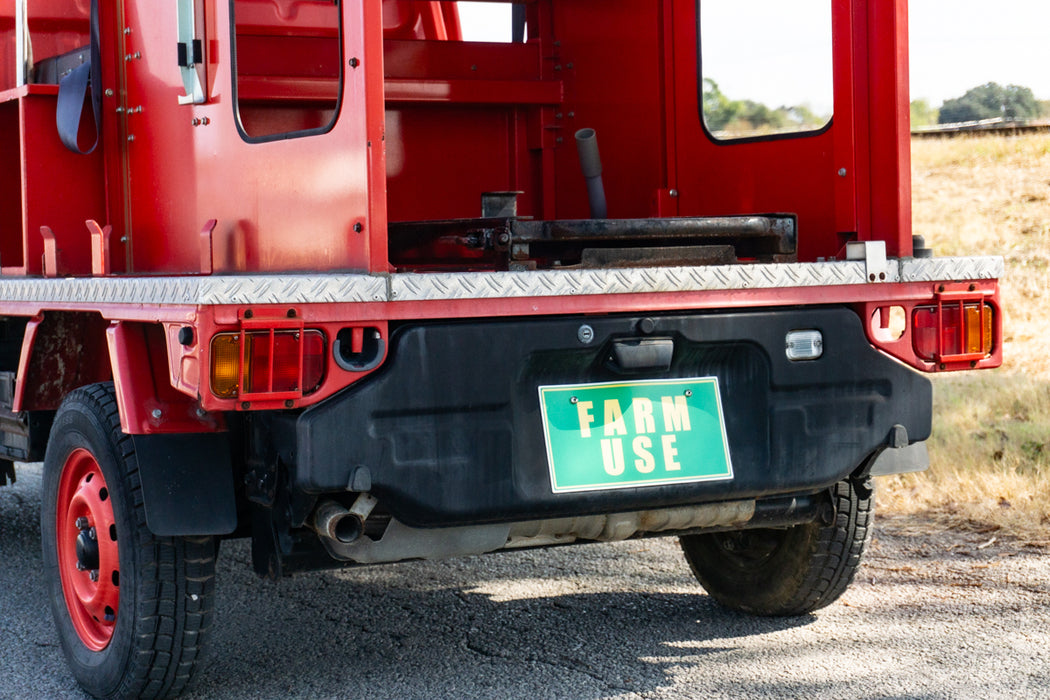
x,y
953,331
283,362
313,360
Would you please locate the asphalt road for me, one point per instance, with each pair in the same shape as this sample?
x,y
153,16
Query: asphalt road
x,y
932,615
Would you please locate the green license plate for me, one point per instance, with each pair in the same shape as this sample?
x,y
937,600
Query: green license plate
x,y
626,434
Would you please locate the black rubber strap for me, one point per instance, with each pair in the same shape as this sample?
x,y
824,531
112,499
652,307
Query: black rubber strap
x,y
517,30
72,89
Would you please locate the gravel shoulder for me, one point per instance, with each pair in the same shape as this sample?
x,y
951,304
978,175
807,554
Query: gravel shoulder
x,y
932,614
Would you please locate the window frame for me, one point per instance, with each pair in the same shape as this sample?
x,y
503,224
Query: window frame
x,y
286,135
808,133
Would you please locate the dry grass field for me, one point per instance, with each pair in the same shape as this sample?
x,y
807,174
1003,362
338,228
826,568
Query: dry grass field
x,y
990,453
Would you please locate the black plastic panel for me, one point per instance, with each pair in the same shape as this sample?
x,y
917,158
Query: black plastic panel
x,y
450,428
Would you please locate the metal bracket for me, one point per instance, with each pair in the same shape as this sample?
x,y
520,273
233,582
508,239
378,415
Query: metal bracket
x,y
101,263
873,253
190,54
23,48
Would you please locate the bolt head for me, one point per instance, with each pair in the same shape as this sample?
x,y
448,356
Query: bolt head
x,y
156,413
94,575
585,334
82,523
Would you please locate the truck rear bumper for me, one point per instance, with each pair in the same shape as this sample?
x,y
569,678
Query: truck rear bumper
x,y
449,431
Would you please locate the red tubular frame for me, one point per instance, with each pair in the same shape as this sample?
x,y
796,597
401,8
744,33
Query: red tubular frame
x,y
984,293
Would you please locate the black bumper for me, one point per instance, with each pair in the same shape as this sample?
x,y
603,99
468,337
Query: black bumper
x,y
450,433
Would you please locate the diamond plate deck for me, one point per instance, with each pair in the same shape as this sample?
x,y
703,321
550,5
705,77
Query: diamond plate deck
x,y
340,288
423,287
197,291
952,269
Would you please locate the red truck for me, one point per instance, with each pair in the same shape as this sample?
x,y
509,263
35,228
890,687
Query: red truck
x,y
322,274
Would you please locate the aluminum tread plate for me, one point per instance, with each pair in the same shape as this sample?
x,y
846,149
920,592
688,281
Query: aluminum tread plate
x,y
420,287
351,288
952,269
197,291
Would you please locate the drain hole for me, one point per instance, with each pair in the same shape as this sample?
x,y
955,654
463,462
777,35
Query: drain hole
x,y
104,493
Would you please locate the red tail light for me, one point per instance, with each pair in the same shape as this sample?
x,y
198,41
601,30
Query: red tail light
x,y
273,364
953,331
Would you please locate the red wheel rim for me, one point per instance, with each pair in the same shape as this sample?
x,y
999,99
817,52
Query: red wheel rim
x,y
88,560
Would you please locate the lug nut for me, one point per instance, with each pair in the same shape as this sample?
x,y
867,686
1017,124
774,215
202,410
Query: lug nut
x,y
82,523
80,566
94,575
92,534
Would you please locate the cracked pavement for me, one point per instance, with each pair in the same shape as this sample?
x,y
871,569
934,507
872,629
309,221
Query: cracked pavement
x,y
932,614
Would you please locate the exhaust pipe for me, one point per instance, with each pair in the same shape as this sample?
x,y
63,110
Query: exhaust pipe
x,y
335,522
591,165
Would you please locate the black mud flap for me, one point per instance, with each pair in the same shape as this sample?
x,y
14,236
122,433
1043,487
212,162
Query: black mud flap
x,y
187,483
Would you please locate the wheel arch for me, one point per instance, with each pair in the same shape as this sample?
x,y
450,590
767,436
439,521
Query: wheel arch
x,y
185,455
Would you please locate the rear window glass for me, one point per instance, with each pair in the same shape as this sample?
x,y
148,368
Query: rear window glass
x,y
765,67
288,70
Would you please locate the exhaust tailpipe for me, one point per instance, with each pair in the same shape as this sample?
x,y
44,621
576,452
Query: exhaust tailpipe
x,y
591,165
335,522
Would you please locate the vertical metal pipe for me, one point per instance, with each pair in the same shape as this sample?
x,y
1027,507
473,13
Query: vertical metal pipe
x,y
591,165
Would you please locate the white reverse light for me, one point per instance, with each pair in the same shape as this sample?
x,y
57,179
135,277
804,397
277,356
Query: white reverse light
x,y
804,345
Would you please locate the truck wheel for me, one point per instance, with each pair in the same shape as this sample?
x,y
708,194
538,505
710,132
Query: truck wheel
x,y
132,609
786,571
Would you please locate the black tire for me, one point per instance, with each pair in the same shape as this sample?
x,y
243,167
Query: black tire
x,y
786,571
148,639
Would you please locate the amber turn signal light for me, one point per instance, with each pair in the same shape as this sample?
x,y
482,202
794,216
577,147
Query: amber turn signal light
x,y
953,331
267,363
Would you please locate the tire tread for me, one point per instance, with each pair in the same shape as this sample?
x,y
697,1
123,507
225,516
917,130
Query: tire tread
x,y
175,577
809,579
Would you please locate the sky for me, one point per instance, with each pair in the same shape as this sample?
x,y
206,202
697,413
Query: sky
x,y
955,45
959,44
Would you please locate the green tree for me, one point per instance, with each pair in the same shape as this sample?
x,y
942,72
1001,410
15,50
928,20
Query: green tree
x,y
747,117
989,101
719,110
922,114
805,118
